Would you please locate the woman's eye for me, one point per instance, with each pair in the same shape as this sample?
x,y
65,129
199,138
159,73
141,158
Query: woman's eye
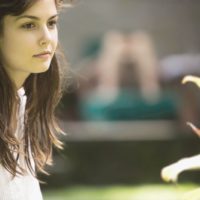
x,y
52,24
28,26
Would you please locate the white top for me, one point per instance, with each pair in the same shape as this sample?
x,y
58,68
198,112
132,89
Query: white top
x,y
21,187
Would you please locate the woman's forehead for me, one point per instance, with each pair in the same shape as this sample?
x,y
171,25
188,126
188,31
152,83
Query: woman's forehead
x,y
42,7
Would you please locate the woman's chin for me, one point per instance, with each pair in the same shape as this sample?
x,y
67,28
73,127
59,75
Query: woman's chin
x,y
41,69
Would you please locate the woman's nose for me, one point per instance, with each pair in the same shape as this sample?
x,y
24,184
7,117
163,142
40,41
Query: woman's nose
x,y
45,36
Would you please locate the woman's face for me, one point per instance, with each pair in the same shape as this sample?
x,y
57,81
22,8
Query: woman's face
x,y
29,41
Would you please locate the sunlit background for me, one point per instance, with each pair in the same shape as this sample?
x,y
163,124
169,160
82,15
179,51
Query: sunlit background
x,y
125,110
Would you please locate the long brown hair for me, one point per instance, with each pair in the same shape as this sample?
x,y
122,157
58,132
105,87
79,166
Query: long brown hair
x,y
43,93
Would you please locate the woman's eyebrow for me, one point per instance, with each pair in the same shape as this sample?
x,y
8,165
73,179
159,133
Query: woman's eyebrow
x,y
33,17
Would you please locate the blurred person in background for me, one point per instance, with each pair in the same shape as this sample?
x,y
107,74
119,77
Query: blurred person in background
x,y
135,49
171,172
123,82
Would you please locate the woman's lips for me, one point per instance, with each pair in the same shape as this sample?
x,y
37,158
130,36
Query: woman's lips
x,y
45,55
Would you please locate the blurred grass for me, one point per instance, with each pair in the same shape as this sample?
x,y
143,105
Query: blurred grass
x,y
140,192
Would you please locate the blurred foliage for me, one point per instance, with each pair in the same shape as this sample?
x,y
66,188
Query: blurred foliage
x,y
140,192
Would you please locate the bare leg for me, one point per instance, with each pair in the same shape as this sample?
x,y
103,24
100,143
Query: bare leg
x,y
108,65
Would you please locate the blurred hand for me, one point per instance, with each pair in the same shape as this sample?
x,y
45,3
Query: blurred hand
x,y
170,173
190,78
194,128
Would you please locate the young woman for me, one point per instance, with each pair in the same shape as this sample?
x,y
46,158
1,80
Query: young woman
x,y
30,89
